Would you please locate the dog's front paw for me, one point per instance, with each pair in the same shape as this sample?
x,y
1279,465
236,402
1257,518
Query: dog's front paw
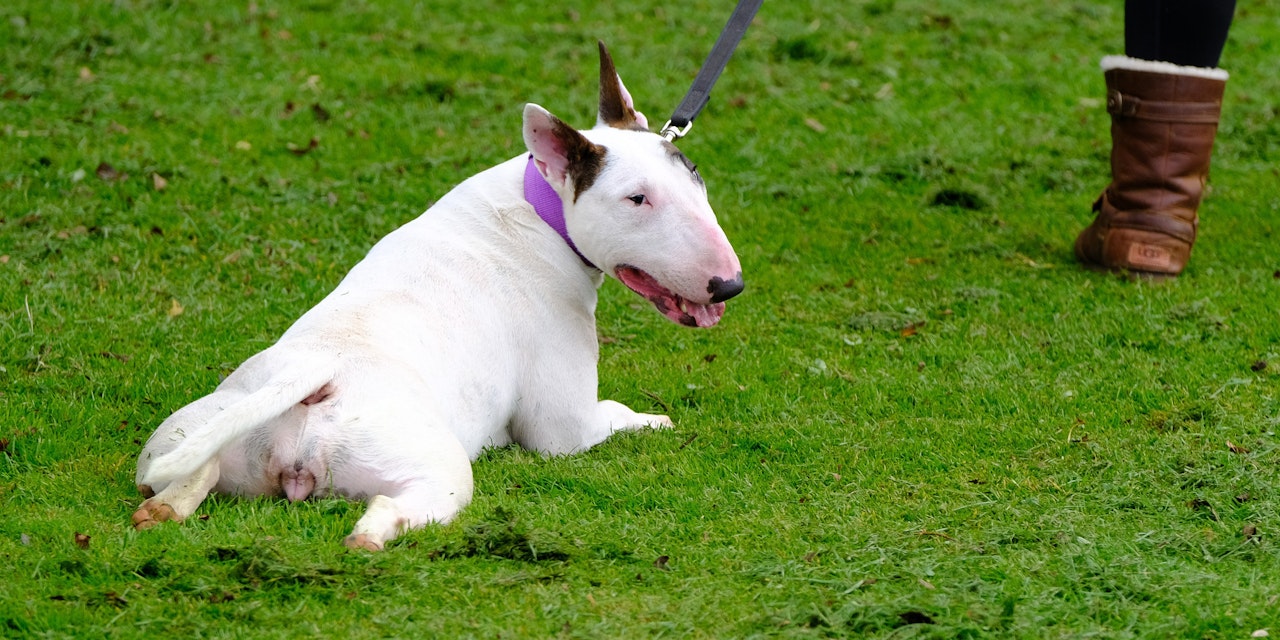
x,y
362,541
152,513
655,421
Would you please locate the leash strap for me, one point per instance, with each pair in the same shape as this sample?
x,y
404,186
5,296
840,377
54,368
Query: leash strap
x,y
700,93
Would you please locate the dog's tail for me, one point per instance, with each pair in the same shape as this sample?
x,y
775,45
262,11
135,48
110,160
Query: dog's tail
x,y
289,387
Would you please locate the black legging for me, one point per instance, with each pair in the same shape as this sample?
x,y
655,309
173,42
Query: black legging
x,y
1186,32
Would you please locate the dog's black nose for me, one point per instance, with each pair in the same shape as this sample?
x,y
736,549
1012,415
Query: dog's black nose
x,y
721,289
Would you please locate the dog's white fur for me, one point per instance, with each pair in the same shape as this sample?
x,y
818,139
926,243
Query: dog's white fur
x,y
472,326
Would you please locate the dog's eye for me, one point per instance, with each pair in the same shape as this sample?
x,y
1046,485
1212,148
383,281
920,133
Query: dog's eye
x,y
639,199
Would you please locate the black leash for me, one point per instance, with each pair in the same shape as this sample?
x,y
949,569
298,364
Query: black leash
x,y
700,93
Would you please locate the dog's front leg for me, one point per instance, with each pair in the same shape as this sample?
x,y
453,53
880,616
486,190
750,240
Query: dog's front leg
x,y
620,417
611,417
179,499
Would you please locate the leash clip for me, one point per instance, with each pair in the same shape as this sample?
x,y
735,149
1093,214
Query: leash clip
x,y
674,133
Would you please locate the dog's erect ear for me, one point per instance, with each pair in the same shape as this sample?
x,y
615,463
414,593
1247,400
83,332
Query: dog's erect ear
x,y
617,109
559,151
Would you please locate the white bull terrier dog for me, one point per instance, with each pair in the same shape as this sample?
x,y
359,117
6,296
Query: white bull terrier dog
x,y
472,326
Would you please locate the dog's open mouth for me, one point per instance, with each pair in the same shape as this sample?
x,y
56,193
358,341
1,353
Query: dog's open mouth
x,y
667,302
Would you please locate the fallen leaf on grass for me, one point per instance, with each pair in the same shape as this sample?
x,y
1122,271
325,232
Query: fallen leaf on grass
x,y
302,151
175,308
1200,504
1235,448
158,182
114,599
77,230
1260,633
82,540
109,173
1250,533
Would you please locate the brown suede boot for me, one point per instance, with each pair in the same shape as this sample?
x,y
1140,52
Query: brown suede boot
x,y
1163,121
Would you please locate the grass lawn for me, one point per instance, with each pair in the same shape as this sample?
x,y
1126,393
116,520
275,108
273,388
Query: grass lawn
x,y
922,418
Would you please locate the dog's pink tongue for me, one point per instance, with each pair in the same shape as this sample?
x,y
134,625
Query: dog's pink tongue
x,y
704,315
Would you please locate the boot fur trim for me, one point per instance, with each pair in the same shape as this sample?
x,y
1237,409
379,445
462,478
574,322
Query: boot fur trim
x,y
1153,66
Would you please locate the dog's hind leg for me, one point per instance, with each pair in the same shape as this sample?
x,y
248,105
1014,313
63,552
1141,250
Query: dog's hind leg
x,y
418,506
178,499
185,422
419,486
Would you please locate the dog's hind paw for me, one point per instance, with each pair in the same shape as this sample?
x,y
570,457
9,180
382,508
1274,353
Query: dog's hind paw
x,y
152,513
362,541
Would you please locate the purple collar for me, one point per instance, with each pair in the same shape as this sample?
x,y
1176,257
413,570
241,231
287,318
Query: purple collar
x,y
546,202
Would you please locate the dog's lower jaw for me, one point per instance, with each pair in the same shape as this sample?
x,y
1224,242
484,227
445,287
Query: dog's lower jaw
x,y
670,304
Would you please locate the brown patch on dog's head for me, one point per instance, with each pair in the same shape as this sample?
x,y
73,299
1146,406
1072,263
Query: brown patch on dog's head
x,y
561,152
585,158
614,108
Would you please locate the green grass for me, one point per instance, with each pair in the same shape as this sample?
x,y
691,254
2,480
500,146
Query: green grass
x,y
922,419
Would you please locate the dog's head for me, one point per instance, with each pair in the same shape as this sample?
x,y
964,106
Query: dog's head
x,y
636,207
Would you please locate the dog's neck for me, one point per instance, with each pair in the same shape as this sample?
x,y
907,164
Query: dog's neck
x,y
546,202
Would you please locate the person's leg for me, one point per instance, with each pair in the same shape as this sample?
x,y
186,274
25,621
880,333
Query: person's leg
x,y
1190,33
1164,98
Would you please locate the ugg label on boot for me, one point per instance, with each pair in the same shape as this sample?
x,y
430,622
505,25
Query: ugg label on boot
x,y
1149,256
